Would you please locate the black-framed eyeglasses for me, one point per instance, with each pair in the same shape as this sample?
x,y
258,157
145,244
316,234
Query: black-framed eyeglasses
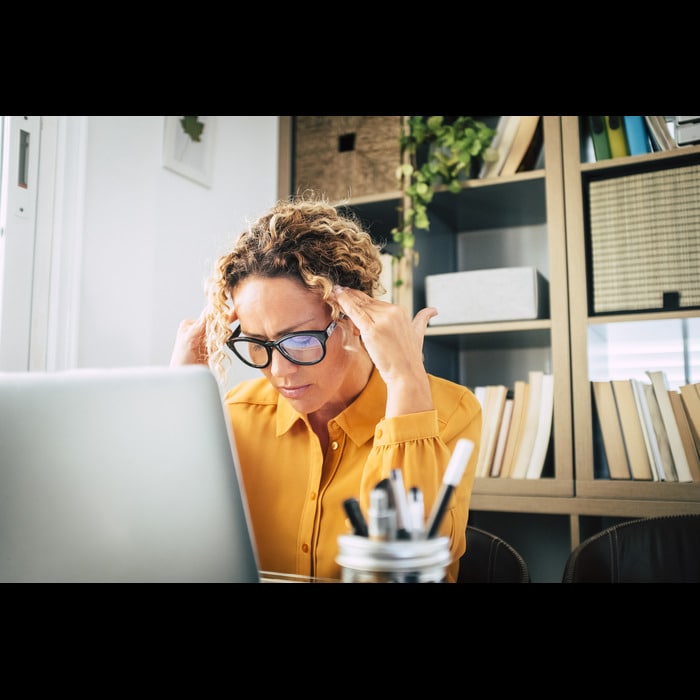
x,y
300,347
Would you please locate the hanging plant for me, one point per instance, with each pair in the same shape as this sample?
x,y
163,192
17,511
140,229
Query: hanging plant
x,y
448,149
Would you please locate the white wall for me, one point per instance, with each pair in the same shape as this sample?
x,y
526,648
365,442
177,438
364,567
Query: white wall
x,y
150,236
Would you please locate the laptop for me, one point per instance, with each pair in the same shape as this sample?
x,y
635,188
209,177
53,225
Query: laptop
x,y
120,475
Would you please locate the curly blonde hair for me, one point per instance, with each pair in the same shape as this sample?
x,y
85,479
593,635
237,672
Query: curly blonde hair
x,y
304,238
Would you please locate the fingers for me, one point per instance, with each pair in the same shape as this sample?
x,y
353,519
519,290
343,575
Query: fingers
x,y
352,299
354,302
422,318
190,345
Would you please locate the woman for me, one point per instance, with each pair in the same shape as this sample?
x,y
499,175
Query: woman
x,y
344,396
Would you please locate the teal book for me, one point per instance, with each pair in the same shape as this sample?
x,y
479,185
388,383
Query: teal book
x,y
637,135
599,136
616,137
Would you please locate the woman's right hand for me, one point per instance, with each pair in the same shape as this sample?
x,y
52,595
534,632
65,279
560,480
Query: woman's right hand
x,y
190,346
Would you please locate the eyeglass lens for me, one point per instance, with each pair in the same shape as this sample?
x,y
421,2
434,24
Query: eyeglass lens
x,y
300,348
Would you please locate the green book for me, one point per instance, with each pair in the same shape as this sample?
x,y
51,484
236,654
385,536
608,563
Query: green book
x,y
599,136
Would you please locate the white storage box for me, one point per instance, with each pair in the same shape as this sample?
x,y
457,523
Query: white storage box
x,y
482,296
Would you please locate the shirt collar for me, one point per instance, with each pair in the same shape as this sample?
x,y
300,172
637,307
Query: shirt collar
x,y
358,420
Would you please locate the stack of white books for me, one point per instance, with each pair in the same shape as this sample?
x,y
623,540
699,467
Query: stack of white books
x,y
687,130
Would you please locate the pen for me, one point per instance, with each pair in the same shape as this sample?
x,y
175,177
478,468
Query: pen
x,y
382,518
416,512
354,513
453,475
403,518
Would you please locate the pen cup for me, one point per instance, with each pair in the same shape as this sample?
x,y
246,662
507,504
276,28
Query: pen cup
x,y
363,560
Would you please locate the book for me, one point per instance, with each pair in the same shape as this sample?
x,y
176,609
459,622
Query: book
x,y
494,401
527,127
544,429
539,161
680,461
690,394
661,137
610,429
637,135
532,419
614,126
488,166
631,424
600,461
647,428
599,137
521,390
503,140
534,156
686,434
666,467
687,133
502,439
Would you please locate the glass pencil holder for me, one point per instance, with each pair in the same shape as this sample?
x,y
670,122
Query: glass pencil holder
x,y
365,560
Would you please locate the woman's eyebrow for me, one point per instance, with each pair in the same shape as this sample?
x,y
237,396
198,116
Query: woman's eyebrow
x,y
305,326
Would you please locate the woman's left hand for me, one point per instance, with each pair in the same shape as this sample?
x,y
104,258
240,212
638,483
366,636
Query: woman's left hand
x,y
392,339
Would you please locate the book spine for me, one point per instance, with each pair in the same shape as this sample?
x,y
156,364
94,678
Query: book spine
x,y
502,438
608,422
544,429
660,135
532,419
658,380
488,167
630,422
637,136
614,126
599,136
690,395
647,430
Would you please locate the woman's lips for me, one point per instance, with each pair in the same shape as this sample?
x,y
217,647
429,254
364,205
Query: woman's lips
x,y
293,392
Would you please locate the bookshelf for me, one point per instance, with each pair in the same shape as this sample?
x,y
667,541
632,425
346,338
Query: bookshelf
x,y
534,218
591,333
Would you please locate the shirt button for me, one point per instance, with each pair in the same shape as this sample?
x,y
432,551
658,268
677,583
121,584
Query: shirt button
x,y
305,548
334,445
312,495
379,433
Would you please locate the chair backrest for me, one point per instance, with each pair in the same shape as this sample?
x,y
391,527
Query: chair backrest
x,y
664,549
490,559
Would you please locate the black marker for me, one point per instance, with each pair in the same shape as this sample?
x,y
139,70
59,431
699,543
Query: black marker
x,y
453,475
354,513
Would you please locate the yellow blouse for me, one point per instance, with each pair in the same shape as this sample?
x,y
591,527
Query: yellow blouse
x,y
295,493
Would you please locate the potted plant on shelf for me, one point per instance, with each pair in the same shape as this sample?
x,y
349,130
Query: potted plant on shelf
x,y
436,152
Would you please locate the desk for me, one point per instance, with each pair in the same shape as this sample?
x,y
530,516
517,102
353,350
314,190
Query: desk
x,y
276,577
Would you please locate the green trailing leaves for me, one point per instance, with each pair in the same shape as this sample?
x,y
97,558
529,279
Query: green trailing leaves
x,y
447,149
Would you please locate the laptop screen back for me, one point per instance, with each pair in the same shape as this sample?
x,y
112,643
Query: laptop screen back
x,y
120,475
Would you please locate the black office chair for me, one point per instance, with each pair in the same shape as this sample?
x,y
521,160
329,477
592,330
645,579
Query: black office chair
x,y
663,549
490,559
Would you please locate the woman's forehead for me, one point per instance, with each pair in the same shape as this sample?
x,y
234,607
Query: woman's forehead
x,y
256,291
265,305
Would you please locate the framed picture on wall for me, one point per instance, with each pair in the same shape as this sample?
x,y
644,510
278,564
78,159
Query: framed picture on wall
x,y
188,147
